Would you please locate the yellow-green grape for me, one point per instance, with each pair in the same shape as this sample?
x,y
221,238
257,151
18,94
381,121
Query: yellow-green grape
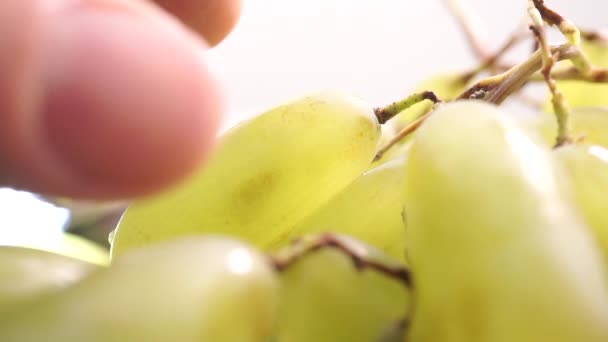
x,y
266,175
588,168
497,249
326,298
369,209
188,289
73,246
27,275
585,94
590,124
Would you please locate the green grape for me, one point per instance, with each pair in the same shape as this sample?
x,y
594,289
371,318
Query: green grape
x,y
266,175
369,209
497,248
73,246
325,298
591,124
26,275
585,94
588,168
186,289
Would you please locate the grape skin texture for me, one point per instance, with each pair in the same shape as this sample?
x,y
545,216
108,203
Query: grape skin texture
x,y
324,298
27,275
189,289
369,209
266,175
588,168
491,234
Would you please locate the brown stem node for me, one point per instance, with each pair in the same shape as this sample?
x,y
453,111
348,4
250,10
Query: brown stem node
x,y
549,15
360,262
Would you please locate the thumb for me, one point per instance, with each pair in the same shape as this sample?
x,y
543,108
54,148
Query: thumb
x,y
101,98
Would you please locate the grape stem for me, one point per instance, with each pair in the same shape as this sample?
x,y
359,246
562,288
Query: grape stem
x,y
494,89
491,60
497,88
597,75
386,113
560,106
488,62
594,36
567,28
574,73
407,130
471,25
360,261
473,29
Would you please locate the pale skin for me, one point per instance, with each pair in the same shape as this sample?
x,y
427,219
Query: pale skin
x,y
108,99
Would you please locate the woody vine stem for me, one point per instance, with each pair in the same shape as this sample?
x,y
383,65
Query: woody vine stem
x,y
539,66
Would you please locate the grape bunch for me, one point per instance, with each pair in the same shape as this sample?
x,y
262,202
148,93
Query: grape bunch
x,y
462,222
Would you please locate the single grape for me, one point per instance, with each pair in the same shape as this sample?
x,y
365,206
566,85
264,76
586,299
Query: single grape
x,y
369,209
266,175
588,168
497,248
73,246
27,275
327,297
186,289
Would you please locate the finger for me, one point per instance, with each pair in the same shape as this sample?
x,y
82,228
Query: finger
x,y
101,99
213,19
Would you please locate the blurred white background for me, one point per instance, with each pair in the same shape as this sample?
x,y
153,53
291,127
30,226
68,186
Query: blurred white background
x,y
281,49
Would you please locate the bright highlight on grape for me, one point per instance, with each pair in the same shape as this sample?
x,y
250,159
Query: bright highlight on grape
x,y
178,290
520,260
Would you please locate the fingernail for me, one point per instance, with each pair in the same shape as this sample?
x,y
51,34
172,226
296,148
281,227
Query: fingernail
x,y
129,103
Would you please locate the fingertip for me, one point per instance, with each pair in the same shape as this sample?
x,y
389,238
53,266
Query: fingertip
x,y
130,107
102,99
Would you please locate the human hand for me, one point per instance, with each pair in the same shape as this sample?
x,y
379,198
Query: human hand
x,y
107,99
